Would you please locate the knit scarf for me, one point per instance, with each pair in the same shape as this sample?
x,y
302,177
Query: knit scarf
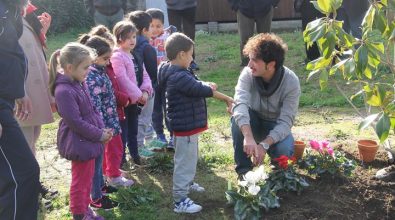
x,y
267,89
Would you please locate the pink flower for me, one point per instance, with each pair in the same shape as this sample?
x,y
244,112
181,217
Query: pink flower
x,y
330,151
325,144
315,145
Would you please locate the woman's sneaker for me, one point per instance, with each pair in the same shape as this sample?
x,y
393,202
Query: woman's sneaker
x,y
194,187
91,215
108,190
104,203
186,206
119,181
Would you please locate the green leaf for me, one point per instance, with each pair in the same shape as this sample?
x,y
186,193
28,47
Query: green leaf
x,y
318,64
323,6
369,17
374,100
380,21
312,73
329,44
323,79
367,121
383,127
361,58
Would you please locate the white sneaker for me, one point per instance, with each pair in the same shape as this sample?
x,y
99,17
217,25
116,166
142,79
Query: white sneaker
x,y
119,181
186,206
194,187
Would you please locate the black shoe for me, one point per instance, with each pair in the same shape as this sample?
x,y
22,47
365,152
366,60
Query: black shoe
x,y
47,193
104,203
137,161
108,190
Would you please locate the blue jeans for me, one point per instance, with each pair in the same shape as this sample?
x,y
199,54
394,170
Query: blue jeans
x,y
97,182
260,129
129,128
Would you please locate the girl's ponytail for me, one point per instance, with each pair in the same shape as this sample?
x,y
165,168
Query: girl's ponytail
x,y
53,66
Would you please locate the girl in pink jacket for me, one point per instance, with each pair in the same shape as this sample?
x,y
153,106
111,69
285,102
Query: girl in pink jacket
x,y
138,88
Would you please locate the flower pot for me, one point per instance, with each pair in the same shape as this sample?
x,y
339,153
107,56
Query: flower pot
x,y
367,150
299,149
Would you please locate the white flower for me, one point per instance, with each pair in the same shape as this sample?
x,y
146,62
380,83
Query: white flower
x,y
243,183
254,189
253,177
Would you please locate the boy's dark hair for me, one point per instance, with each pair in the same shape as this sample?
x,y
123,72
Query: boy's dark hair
x,y
122,30
156,13
100,44
176,43
140,19
268,47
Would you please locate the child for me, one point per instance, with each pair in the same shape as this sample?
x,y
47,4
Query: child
x,y
159,36
81,132
145,56
125,71
187,115
100,88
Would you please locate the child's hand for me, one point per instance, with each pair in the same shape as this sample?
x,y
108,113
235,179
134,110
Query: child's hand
x,y
230,103
144,98
107,135
45,20
54,108
212,85
23,108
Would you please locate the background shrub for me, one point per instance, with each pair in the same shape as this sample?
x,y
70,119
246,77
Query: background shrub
x,y
66,14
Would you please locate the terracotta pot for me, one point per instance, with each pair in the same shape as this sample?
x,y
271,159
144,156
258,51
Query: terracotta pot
x,y
367,150
299,149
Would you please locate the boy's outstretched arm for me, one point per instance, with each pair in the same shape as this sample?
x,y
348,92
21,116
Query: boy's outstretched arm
x,y
228,100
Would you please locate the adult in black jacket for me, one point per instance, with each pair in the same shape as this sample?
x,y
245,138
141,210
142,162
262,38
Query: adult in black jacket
x,y
19,170
106,12
309,13
249,13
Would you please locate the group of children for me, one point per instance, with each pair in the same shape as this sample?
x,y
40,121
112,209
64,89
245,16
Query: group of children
x,y
110,88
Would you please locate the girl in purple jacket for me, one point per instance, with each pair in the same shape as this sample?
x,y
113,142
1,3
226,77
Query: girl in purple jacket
x,y
81,132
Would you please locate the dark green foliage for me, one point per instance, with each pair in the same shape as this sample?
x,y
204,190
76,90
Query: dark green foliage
x,y
66,14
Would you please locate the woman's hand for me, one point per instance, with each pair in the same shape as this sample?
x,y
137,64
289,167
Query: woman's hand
x,y
45,20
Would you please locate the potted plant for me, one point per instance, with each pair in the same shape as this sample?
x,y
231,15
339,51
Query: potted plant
x,y
321,159
367,150
252,196
285,177
299,149
367,63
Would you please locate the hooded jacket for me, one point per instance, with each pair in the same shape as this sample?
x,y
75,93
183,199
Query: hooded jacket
x,y
81,127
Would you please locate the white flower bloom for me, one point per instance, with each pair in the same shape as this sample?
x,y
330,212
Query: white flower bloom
x,y
254,189
243,183
252,177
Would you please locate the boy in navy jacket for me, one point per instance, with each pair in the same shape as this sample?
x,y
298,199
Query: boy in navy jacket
x,y
187,115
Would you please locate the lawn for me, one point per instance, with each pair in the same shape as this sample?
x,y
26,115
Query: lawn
x,y
322,115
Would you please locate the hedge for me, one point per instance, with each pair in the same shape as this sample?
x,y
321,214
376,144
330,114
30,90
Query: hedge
x,y
65,14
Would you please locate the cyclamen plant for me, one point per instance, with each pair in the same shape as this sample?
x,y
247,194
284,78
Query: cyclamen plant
x,y
286,178
252,195
324,159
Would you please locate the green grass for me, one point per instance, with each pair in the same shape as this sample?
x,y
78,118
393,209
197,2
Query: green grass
x,y
218,57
